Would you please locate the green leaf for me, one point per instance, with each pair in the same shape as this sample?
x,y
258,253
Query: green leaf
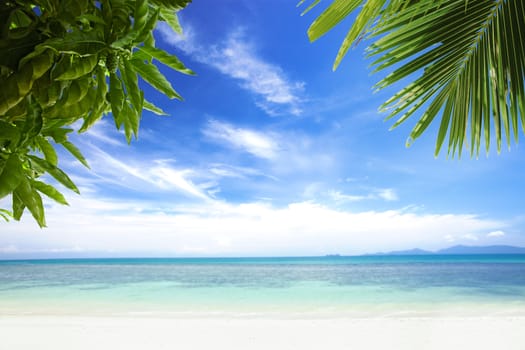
x,y
91,18
61,66
140,19
9,132
5,214
100,104
30,198
39,64
140,16
59,135
11,173
334,14
74,104
311,6
75,152
76,42
127,116
33,123
13,50
171,4
18,18
154,77
10,96
37,51
148,53
18,207
152,108
78,67
116,98
146,34
131,122
171,18
48,150
131,83
50,191
149,39
368,14
58,174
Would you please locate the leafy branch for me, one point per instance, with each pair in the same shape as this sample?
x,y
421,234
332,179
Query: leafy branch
x,y
67,60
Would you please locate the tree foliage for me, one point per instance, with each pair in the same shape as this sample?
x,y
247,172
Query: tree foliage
x,y
468,58
62,61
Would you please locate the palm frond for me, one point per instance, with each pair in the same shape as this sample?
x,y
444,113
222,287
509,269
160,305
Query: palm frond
x,y
469,61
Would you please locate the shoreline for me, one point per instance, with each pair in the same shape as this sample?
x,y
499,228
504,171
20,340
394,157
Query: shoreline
x,y
111,332
110,309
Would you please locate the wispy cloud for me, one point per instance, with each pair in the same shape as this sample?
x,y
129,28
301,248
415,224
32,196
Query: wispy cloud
x,y
104,132
167,177
341,197
386,194
256,143
237,58
225,170
187,42
146,176
497,233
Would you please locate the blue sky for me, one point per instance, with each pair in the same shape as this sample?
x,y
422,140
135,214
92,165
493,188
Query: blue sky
x,y
270,153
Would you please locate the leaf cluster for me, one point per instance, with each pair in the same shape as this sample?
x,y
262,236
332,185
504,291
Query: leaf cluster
x,y
62,61
468,59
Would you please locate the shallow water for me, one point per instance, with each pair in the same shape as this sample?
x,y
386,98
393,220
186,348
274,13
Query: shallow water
x,y
371,285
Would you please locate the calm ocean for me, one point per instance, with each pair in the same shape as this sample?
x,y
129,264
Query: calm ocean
x,y
368,285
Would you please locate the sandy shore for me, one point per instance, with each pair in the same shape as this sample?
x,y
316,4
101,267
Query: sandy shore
x,y
105,332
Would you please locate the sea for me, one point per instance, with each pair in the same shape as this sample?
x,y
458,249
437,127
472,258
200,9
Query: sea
x,y
329,286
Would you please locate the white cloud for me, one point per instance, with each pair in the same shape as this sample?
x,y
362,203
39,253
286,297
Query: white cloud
x,y
166,177
151,175
387,194
218,228
9,249
225,170
254,142
289,153
497,233
470,237
187,42
450,238
340,197
222,170
237,59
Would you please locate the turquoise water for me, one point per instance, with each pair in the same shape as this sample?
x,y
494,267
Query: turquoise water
x,y
335,285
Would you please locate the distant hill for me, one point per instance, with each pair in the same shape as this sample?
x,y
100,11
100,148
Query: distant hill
x,y
462,249
492,249
415,251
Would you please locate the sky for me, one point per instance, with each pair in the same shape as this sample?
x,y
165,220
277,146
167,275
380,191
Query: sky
x,y
271,153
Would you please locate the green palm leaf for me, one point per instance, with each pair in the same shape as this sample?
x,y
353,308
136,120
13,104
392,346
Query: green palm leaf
x,y
466,59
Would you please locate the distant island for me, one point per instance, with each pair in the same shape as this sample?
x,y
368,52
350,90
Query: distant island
x,y
461,250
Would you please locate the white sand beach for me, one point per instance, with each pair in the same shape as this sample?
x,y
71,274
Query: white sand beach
x,y
29,332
